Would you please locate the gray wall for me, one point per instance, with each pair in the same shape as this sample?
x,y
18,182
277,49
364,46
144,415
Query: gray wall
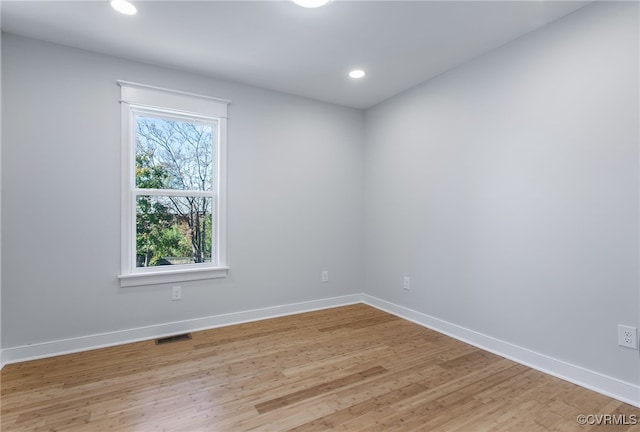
x,y
1,362
294,198
507,189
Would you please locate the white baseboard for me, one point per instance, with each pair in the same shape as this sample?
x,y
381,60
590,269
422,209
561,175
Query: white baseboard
x,y
609,386
102,340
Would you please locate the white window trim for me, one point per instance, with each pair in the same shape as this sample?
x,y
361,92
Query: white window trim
x,y
140,96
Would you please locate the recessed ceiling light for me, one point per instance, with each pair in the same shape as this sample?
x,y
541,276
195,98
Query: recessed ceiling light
x,y
311,3
358,73
124,7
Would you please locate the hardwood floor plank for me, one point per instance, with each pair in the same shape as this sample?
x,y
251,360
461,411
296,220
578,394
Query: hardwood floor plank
x,y
360,324
353,368
336,418
326,387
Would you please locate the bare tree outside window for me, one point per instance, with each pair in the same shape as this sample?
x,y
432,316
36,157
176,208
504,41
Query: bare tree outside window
x,y
177,155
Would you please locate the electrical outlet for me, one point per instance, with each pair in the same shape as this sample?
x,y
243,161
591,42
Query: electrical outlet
x,y
406,283
176,293
324,276
628,336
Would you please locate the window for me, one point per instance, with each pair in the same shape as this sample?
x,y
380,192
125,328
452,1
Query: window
x,y
173,186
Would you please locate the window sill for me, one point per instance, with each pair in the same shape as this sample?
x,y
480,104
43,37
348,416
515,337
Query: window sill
x,y
171,276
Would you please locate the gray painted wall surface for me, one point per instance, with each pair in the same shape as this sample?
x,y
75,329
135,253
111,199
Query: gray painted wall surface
x,y
507,189
1,197
294,198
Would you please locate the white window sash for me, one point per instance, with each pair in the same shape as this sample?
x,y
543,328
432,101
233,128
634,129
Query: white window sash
x,y
174,192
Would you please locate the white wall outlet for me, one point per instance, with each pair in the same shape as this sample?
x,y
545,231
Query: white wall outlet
x,y
324,276
628,336
176,293
406,283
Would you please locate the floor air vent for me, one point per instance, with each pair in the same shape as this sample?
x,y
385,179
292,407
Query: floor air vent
x,y
176,338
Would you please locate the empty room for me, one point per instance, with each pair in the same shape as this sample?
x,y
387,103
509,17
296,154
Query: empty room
x,y
308,215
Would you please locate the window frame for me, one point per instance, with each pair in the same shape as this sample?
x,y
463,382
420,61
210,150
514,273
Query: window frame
x,y
165,103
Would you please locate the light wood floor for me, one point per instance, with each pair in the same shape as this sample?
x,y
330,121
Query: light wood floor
x,y
352,368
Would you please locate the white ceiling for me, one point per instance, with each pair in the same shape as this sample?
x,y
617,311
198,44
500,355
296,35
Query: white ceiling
x,y
280,46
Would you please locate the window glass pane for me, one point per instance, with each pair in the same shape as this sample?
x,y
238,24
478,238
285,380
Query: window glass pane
x,y
174,153
173,230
